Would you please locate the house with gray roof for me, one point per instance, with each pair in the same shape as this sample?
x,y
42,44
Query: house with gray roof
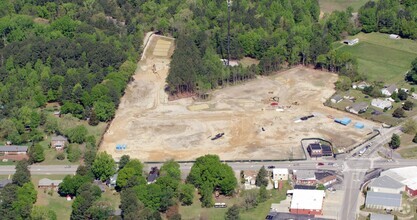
x,y
376,216
378,200
389,90
386,184
358,108
336,98
13,152
48,183
304,177
59,142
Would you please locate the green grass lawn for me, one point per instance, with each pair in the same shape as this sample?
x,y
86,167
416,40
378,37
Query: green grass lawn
x,y
340,5
381,58
196,212
59,204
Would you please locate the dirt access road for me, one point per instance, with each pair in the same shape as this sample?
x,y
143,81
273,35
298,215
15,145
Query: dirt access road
x,y
155,129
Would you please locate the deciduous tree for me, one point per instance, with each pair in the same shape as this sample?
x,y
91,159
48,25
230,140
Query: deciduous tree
x,y
103,166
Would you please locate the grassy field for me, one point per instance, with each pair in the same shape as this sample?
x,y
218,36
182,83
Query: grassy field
x,y
381,58
59,204
196,212
408,148
340,5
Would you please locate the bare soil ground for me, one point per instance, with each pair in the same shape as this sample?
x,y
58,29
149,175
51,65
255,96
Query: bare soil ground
x,y
155,129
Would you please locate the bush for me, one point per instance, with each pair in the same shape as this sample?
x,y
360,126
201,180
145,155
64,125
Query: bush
x,y
395,141
60,156
415,138
74,153
398,113
408,105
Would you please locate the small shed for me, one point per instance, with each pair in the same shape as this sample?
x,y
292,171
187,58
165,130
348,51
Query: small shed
x,y
336,99
359,125
394,36
351,42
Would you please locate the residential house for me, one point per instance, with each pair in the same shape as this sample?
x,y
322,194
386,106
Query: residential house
x,y
336,98
111,183
358,108
386,184
280,174
13,152
59,142
153,175
362,85
326,178
307,202
378,200
351,42
4,182
377,216
382,104
389,90
304,177
48,183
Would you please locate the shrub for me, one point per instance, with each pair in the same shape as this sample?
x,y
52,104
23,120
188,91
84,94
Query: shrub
x,y
60,156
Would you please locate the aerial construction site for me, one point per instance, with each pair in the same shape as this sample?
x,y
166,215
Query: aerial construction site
x,y
264,118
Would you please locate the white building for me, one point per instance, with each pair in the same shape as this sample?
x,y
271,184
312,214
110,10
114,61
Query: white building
x,y
394,36
306,201
280,174
389,90
382,104
386,184
351,42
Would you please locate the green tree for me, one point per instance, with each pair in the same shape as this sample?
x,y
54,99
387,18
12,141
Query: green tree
x,y
87,194
261,178
123,161
77,134
74,152
233,213
206,193
402,95
250,199
134,168
209,171
36,153
408,105
22,174
130,204
93,121
395,141
8,197
415,138
150,195
186,195
263,194
104,110
100,210
103,166
344,83
71,184
42,213
398,113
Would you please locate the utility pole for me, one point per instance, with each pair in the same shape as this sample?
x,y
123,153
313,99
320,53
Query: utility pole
x,y
229,5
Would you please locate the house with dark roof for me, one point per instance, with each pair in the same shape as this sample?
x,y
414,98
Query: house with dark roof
x,y
59,142
13,152
319,150
326,178
153,175
377,200
358,108
386,184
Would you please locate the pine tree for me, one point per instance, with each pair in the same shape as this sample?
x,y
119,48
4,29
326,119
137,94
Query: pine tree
x,y
261,178
93,119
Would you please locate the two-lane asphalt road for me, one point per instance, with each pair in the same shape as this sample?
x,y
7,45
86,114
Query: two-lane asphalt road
x,y
42,169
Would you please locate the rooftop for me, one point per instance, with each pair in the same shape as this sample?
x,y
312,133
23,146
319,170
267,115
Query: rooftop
x,y
386,182
59,138
391,88
305,174
307,199
49,182
4,182
384,199
322,175
376,216
315,146
411,183
13,148
280,171
337,97
401,174
359,106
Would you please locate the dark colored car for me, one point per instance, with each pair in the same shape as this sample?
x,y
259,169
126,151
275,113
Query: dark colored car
x,y
271,167
320,164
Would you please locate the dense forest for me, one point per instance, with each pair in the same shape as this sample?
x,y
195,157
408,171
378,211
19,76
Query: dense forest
x,y
277,33
390,16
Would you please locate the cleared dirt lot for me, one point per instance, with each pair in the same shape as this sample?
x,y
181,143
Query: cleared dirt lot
x,y
156,130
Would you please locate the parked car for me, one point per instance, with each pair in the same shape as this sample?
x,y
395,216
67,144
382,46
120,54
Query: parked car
x,y
271,167
320,164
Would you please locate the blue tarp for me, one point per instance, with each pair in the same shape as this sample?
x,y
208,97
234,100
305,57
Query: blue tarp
x,y
343,121
359,125
121,147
